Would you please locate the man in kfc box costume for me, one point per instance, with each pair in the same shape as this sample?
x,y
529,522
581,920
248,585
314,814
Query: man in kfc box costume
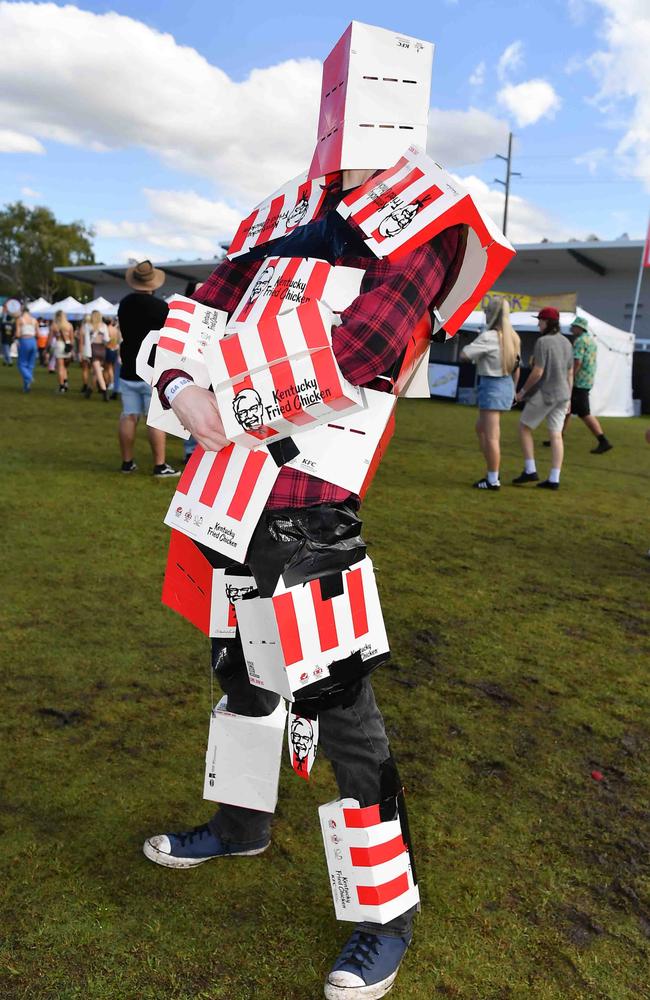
x,y
320,315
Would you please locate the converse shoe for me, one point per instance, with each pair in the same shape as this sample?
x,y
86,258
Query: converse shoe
x,y
128,466
192,848
367,967
483,484
525,477
165,471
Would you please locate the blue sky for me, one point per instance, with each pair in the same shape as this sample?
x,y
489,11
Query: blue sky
x,y
161,125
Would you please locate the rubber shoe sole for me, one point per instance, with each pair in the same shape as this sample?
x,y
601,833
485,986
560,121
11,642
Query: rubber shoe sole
x,y
152,853
373,992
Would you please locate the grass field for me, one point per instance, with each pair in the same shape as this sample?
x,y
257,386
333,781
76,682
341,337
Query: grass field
x,y
519,627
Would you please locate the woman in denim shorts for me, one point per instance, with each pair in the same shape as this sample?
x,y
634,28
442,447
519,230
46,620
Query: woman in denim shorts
x,y
496,352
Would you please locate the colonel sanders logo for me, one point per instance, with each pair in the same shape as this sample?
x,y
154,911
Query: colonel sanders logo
x,y
301,736
247,406
298,212
262,283
398,220
234,593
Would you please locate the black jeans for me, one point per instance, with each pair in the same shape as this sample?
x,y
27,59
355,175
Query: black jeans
x,y
352,737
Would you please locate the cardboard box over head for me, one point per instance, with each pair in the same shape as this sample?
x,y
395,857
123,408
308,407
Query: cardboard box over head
x,y
280,378
374,99
290,639
411,203
220,497
368,862
242,762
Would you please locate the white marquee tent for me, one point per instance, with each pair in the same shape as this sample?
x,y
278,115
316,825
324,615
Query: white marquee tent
x,y
38,307
102,305
611,395
70,306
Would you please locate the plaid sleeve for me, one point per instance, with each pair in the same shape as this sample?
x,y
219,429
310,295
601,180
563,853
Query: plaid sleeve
x,y
227,283
394,297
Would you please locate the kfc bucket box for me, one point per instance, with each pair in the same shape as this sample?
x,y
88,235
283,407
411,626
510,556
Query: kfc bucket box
x,y
290,639
279,378
413,202
368,862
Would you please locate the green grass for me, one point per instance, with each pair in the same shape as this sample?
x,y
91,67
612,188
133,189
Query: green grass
x,y
519,628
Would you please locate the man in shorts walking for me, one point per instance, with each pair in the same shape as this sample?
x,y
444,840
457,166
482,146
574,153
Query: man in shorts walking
x,y
584,373
138,313
547,393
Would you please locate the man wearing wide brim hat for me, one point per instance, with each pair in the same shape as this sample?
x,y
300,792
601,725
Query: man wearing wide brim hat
x,y
144,277
139,312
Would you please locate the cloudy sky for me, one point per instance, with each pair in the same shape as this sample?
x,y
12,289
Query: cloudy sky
x,y
162,124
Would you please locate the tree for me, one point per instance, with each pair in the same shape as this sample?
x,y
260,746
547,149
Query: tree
x,y
32,244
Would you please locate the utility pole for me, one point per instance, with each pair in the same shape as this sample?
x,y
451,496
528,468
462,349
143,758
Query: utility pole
x,y
506,183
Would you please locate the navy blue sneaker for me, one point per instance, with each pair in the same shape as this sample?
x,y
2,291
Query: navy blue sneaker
x,y
186,850
367,967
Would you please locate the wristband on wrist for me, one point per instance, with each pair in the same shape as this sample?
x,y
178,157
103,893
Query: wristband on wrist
x,y
176,387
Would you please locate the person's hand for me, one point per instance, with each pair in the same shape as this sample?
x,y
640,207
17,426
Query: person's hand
x,y
519,396
198,412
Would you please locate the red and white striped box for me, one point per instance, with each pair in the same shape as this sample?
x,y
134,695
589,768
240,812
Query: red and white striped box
x,y
293,205
412,202
342,451
290,639
279,378
368,863
191,328
242,762
196,590
220,497
284,283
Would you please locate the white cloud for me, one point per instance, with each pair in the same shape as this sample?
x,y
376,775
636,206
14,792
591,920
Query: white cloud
x,y
511,59
18,142
527,223
530,101
477,78
166,98
457,137
592,158
623,73
28,192
180,222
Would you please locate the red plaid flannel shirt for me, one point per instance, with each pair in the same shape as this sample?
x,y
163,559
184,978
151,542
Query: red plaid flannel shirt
x,y
374,332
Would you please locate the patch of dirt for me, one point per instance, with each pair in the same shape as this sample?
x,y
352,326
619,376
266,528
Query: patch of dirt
x,y
490,769
579,928
493,691
60,718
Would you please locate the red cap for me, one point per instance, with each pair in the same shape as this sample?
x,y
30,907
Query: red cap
x,y
549,312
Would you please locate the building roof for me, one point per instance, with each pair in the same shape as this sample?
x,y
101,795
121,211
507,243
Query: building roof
x,y
595,255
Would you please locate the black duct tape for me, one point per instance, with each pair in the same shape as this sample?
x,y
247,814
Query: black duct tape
x,y
283,451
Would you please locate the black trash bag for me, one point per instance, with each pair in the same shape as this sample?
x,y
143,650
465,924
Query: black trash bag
x,y
304,543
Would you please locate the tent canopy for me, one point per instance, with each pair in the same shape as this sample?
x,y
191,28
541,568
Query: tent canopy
x,y
70,306
102,305
38,307
611,395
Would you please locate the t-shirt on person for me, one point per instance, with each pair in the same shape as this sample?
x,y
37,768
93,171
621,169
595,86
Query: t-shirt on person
x,y
585,351
138,314
554,354
486,352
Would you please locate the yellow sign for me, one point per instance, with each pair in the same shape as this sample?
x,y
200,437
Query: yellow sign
x,y
564,301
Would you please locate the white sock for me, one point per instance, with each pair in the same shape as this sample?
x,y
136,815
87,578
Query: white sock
x,y
529,466
554,476
493,478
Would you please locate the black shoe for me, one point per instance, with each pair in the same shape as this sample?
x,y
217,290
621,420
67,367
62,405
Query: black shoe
x,y
548,485
165,472
106,396
601,448
546,444
526,477
115,395
483,484
87,391
128,466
